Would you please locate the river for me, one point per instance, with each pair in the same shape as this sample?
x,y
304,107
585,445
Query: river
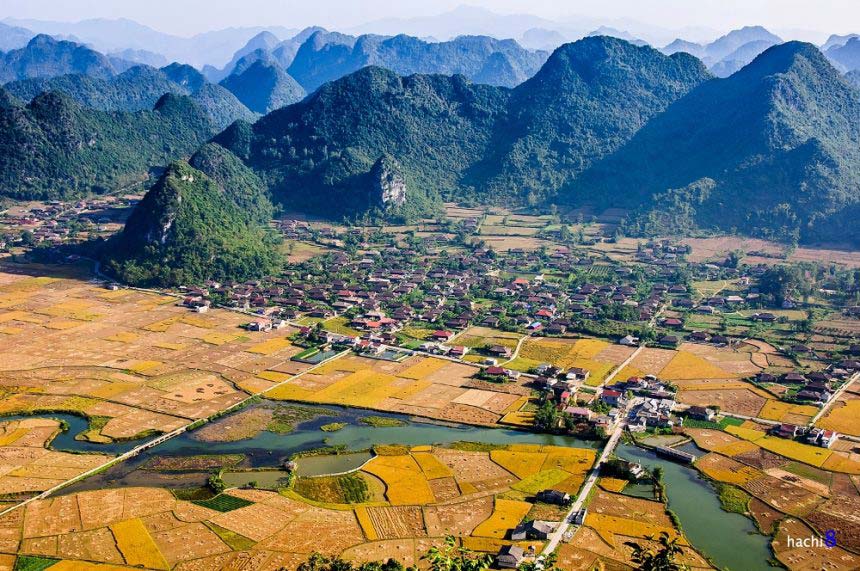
x,y
730,540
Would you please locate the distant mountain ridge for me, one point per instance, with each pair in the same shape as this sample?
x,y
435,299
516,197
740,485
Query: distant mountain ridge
x,y
43,56
137,89
730,52
458,140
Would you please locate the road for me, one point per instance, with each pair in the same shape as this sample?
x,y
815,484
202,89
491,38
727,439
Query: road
x,y
565,525
611,376
832,399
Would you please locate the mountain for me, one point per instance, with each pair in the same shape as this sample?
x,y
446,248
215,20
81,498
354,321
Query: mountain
x,y
542,39
462,21
138,89
56,148
740,57
328,56
105,35
846,57
680,45
262,46
191,227
837,41
725,45
43,56
264,86
317,154
144,57
589,98
616,33
453,139
13,37
772,150
853,77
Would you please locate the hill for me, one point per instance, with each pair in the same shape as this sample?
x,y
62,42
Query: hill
x,y
456,140
773,150
191,227
56,148
328,56
137,89
587,100
43,56
847,56
264,86
13,37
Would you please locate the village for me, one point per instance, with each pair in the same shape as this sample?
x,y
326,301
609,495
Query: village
x,y
734,370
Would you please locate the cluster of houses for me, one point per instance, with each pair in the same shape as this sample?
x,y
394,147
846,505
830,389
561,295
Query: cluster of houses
x,y
51,222
815,388
814,436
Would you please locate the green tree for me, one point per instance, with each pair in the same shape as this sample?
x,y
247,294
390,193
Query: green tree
x,y
659,558
452,557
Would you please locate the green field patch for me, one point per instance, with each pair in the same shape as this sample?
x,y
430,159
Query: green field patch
x,y
223,503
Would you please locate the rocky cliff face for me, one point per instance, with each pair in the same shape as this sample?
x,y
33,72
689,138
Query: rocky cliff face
x,y
388,186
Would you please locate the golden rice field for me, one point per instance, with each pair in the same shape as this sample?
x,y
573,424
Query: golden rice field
x,y
420,386
507,514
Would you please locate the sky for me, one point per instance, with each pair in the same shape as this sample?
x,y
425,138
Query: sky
x,y
187,17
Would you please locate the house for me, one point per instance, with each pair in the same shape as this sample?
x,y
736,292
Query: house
x,y
539,530
458,351
579,517
260,325
788,431
668,341
510,557
612,397
629,341
443,336
821,437
553,497
579,413
577,374
701,413
499,351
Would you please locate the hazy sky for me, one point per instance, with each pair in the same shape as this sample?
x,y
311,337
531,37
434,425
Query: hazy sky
x,y
186,17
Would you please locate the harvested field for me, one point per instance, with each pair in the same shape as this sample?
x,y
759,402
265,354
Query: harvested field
x,y
726,470
742,401
421,386
507,514
809,558
397,522
784,496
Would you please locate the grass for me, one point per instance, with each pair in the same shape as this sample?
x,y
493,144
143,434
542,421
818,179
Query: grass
x,y
809,472
333,427
346,489
475,446
285,418
733,499
233,540
33,563
223,503
338,325
381,421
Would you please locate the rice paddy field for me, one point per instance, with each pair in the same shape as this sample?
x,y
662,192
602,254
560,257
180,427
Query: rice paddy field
x,y
422,386
614,520
412,498
135,363
788,480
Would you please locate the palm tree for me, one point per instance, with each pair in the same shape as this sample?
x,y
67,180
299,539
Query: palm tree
x,y
661,558
451,557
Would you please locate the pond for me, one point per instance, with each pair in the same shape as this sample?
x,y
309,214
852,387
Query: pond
x,y
730,540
